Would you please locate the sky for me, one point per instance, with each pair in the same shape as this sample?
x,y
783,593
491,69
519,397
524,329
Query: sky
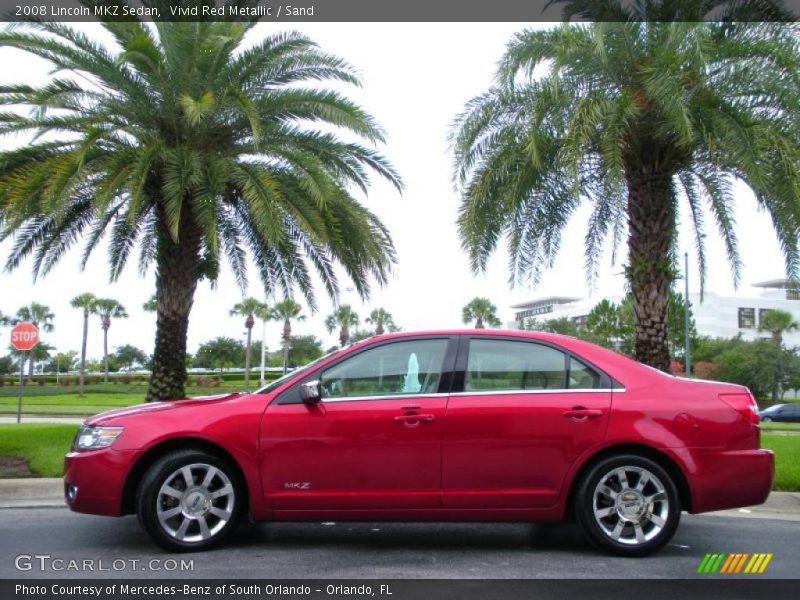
x,y
416,79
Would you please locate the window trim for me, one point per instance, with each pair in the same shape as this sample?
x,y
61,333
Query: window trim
x,y
607,383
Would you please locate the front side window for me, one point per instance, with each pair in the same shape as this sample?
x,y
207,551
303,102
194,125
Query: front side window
x,y
497,365
407,367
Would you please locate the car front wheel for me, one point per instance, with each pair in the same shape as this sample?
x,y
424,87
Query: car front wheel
x,y
627,505
766,419
190,500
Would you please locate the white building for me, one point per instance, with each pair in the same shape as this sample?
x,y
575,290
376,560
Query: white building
x,y
716,316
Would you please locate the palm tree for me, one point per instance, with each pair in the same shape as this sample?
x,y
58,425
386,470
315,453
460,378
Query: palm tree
x,y
87,303
108,308
382,320
192,143
633,118
286,310
41,316
247,308
480,310
343,318
40,353
777,322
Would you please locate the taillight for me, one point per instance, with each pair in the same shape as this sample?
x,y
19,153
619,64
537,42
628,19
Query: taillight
x,y
744,404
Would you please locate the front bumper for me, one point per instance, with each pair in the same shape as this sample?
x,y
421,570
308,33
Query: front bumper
x,y
731,479
94,480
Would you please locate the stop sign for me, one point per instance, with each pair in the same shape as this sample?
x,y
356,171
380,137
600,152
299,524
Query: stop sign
x,y
24,336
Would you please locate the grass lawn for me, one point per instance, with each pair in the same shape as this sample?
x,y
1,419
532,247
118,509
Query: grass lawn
x,y
780,426
92,403
44,446
787,460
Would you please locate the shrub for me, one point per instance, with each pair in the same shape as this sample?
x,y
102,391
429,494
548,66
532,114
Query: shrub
x,y
41,381
705,369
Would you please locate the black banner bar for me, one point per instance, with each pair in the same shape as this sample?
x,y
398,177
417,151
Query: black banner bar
x,y
342,589
377,10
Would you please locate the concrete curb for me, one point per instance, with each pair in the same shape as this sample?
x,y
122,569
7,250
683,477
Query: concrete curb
x,y
28,493
25,492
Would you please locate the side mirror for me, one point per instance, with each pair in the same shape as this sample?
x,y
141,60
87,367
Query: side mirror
x,y
310,392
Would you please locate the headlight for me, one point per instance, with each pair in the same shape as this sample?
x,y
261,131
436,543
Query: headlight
x,y
90,438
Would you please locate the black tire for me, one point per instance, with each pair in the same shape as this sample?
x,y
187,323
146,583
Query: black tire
x,y
766,419
153,506
639,535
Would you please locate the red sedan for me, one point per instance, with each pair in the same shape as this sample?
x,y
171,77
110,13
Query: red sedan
x,y
437,426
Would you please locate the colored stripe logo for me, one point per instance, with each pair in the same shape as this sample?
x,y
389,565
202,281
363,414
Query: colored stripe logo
x,y
737,562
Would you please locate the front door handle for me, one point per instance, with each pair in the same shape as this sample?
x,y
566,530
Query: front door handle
x,y
411,419
580,412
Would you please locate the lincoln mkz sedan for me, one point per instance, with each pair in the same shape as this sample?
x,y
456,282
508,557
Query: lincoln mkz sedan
x,y
438,426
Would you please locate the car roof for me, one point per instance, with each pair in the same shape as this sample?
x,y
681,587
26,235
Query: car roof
x,y
522,333
612,362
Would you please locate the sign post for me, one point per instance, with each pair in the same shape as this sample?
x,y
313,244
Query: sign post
x,y
24,337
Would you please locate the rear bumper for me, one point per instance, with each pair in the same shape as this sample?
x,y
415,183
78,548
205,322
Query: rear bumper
x,y
96,478
730,479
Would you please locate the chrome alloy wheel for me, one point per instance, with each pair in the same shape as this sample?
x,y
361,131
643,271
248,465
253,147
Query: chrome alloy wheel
x,y
195,502
631,505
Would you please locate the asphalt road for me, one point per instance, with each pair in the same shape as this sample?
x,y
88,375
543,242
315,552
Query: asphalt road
x,y
385,550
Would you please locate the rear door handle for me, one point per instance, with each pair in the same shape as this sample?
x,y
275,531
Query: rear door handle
x,y
414,418
582,413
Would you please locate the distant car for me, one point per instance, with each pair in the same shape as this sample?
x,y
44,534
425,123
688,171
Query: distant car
x,y
440,426
786,413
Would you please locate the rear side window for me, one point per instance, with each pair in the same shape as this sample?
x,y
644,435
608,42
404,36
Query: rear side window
x,y
496,365
582,376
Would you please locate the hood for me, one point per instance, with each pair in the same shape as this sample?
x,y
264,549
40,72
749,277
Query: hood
x,y
148,407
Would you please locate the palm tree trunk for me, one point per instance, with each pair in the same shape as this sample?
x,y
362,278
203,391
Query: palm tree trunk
x,y
344,335
479,323
176,282
650,270
287,337
379,330
82,374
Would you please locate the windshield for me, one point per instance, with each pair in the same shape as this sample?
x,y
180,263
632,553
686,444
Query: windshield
x,y
284,378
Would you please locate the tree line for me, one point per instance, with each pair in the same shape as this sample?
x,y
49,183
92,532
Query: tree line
x,y
219,353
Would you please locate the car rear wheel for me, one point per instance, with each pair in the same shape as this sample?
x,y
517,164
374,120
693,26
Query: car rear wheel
x,y
627,505
766,419
190,500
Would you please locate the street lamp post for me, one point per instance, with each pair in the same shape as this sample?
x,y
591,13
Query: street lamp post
x,y
261,381
687,352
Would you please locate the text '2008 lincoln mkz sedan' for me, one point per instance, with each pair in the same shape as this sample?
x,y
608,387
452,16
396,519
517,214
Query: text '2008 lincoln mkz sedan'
x,y
437,426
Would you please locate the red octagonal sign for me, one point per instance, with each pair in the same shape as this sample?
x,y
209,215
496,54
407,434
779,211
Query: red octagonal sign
x,y
24,336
